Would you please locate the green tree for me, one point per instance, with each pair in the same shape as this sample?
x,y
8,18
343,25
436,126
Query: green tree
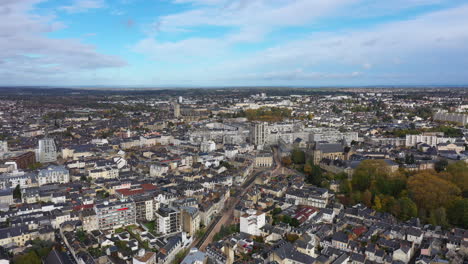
x,y
438,217
295,222
314,174
298,156
408,208
367,171
345,187
17,192
458,213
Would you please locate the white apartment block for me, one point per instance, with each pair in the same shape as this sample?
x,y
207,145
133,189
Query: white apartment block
x,y
47,151
431,140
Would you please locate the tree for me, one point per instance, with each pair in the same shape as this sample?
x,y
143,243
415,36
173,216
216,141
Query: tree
x,y
314,174
367,171
377,203
458,173
345,187
438,217
367,198
430,191
298,156
17,192
286,161
295,222
458,213
441,165
408,208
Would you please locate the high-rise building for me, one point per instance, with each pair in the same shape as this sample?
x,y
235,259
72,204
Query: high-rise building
x,y
176,110
47,151
167,220
112,215
259,133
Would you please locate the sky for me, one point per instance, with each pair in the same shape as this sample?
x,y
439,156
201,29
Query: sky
x,y
159,43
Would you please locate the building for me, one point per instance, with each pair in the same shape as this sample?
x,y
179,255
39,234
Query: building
x,y
112,215
195,257
461,119
190,220
167,220
429,139
176,110
144,206
53,174
332,151
16,235
3,146
25,160
6,196
264,160
47,151
259,133
144,257
251,222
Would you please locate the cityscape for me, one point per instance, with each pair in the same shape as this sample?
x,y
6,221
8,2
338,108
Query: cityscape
x,y
233,132
234,175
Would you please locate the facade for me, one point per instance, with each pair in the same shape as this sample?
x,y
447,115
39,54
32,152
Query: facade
x,y
176,110
461,119
47,151
112,215
264,160
259,133
144,206
25,160
251,222
190,220
167,220
53,174
431,140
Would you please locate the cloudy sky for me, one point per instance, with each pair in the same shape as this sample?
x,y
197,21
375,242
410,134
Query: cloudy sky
x,y
233,42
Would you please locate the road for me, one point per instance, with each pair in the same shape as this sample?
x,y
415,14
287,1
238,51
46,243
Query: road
x,y
227,214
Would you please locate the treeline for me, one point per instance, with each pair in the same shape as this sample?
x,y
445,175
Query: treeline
x,y
447,130
267,114
438,198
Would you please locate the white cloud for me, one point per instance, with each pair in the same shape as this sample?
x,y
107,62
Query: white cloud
x,y
431,47
28,54
79,6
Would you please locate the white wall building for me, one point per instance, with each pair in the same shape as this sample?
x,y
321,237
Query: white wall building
x,y
47,151
53,174
251,222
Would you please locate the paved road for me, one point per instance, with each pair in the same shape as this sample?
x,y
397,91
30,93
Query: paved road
x,y
227,214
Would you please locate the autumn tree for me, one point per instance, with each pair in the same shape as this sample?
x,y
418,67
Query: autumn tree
x,y
458,172
286,161
367,198
431,192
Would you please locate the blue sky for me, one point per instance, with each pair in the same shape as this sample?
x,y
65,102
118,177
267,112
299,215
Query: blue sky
x,y
233,42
